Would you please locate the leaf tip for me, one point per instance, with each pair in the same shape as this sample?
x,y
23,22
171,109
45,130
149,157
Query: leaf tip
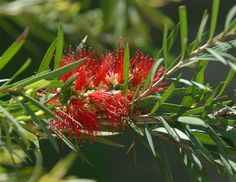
x,y
23,35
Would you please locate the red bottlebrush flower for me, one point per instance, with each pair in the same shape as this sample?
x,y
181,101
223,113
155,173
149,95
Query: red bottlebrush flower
x,y
97,92
113,105
140,67
76,117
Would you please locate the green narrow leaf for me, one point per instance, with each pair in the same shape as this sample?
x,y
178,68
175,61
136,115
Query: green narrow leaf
x,y
82,43
149,139
227,81
173,36
3,80
40,106
47,57
163,98
134,127
165,45
193,167
38,84
230,18
9,143
67,142
154,69
210,99
19,71
40,122
61,168
152,73
193,83
194,111
214,16
134,97
38,167
59,47
232,26
202,26
126,69
188,100
222,167
222,154
13,49
49,75
201,29
183,29
179,133
217,55
170,41
162,160
191,121
69,82
200,73
228,134
170,130
203,137
25,135
199,80
205,152
147,104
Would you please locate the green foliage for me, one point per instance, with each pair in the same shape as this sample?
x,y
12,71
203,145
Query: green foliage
x,y
183,29
214,16
47,57
164,98
201,126
126,68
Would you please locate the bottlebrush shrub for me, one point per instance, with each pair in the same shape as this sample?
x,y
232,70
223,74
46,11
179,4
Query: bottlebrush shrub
x,y
89,95
100,91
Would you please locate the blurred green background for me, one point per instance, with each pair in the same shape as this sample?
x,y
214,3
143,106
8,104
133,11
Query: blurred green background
x,y
138,22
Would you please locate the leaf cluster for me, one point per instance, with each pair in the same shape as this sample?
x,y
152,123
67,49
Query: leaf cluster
x,y
200,127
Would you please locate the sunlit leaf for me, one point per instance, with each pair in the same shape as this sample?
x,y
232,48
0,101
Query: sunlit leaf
x,y
181,135
192,121
133,126
49,75
47,57
183,29
214,16
149,139
230,17
170,130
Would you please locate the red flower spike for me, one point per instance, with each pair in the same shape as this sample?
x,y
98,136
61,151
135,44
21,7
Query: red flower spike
x,y
76,118
140,67
80,113
97,94
114,105
105,67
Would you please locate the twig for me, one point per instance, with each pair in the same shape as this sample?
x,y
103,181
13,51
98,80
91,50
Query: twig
x,y
220,37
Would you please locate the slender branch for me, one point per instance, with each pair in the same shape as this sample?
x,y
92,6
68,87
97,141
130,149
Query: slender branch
x,y
220,37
